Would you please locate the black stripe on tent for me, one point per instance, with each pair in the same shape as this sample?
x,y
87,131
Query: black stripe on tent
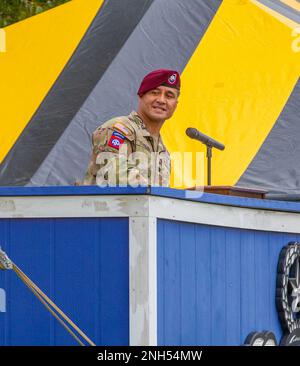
x,y
94,54
276,166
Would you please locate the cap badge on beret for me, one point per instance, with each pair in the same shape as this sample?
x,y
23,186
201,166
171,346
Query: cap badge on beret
x,y
172,79
159,77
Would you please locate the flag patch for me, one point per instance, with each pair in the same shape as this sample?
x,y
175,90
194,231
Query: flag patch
x,y
120,127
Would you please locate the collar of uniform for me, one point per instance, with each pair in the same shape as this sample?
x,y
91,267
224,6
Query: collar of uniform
x,y
133,116
139,122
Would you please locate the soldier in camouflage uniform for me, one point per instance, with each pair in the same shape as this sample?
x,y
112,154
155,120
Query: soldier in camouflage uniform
x,y
129,150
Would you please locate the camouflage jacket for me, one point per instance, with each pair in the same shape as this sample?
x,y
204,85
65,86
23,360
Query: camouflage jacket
x,y
124,153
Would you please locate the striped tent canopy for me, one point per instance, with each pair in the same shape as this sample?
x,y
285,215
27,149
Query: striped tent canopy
x,y
68,70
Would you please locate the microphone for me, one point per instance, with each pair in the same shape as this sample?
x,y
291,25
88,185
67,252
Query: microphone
x,y
193,133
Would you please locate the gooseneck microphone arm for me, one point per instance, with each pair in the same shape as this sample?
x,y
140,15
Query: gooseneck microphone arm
x,y
193,133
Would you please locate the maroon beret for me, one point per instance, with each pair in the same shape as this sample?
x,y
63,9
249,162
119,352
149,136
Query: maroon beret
x,y
157,78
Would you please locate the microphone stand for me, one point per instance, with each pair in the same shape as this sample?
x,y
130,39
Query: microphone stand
x,y
209,142
209,156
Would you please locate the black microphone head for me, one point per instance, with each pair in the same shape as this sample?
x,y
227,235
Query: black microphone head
x,y
191,132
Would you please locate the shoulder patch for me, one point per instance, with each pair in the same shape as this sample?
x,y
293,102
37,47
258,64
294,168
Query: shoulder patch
x,y
122,128
116,140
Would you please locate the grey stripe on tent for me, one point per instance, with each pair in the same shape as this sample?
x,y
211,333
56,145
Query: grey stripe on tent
x,y
166,37
276,166
109,30
283,9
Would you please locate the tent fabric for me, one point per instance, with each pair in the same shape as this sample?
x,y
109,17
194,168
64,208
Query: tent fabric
x,y
284,8
166,37
37,49
234,88
240,85
277,162
92,57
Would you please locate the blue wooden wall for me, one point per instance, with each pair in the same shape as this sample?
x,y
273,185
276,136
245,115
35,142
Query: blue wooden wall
x,y
216,285
81,264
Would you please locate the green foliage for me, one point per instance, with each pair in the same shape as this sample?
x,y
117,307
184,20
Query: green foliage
x,y
12,11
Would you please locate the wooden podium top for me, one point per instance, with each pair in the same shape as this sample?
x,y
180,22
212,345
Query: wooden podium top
x,y
235,191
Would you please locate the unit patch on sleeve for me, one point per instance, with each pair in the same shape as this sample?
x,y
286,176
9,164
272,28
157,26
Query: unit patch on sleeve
x,y
116,140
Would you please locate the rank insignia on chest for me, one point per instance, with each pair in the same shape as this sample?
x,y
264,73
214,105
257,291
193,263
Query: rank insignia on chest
x,y
116,140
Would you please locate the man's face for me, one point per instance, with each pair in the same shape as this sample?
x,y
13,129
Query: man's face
x,y
158,104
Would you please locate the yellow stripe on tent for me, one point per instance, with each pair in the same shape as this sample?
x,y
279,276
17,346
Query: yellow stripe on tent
x,y
37,49
234,87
